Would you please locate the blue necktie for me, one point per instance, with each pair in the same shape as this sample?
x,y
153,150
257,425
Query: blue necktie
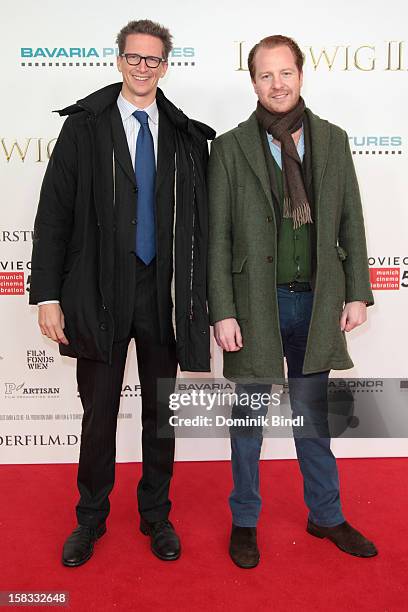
x,y
145,171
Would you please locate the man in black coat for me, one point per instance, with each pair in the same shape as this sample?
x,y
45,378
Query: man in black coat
x,y
120,235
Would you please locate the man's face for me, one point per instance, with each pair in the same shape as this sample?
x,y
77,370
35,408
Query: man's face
x,y
140,82
277,80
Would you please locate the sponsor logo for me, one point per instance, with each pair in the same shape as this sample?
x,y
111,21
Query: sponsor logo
x,y
9,265
12,283
376,145
385,278
356,385
21,391
388,273
388,56
39,440
94,57
39,359
128,390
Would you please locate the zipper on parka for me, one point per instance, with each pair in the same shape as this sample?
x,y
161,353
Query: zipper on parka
x,y
191,314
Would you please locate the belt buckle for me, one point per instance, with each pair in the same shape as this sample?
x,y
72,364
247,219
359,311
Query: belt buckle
x,y
292,287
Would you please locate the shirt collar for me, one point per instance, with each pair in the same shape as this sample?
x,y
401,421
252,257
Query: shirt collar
x,y
126,109
300,145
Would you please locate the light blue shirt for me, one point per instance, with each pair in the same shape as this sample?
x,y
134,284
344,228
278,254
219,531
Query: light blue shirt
x,y
276,150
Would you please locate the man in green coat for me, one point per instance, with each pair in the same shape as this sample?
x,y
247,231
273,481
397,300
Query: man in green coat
x,y
288,276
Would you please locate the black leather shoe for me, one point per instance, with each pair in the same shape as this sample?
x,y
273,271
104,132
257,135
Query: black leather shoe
x,y
78,547
345,537
164,541
243,548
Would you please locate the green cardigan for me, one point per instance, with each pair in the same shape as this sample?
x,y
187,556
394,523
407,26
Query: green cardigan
x,y
243,250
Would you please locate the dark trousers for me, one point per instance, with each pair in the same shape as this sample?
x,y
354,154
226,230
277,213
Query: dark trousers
x,y
308,396
100,386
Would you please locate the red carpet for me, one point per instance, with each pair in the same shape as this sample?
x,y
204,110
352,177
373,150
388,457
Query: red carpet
x,y
297,571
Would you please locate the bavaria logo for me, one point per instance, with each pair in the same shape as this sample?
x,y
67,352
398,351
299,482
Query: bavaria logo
x,y
63,52
376,145
90,56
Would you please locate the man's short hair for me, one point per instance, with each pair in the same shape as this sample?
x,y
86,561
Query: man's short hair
x,y
145,26
270,42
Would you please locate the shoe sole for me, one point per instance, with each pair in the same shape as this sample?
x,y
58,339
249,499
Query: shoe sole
x,y
162,558
322,537
245,566
99,534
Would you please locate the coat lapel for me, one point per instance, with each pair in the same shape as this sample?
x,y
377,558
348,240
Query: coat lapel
x,y
165,149
120,145
249,139
320,136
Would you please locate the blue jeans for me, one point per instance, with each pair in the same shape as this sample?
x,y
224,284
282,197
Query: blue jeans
x,y
308,396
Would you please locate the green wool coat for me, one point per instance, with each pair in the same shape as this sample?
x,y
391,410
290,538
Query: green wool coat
x,y
243,249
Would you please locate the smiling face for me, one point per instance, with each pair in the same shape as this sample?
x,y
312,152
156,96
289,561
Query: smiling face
x,y
277,81
140,82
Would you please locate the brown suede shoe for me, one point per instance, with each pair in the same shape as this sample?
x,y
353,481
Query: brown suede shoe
x,y
345,537
243,548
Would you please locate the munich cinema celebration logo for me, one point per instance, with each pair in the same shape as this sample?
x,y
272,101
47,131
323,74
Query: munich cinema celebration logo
x,y
388,273
53,56
14,274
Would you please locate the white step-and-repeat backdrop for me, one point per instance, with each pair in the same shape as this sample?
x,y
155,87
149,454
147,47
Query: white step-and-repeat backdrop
x,y
355,76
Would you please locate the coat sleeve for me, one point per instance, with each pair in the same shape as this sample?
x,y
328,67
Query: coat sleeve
x,y
352,237
220,290
54,219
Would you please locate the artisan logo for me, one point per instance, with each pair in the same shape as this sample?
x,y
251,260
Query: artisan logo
x,y
20,391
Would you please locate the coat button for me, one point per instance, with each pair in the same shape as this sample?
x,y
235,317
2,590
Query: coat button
x,y
134,189
133,222
103,327
269,219
269,259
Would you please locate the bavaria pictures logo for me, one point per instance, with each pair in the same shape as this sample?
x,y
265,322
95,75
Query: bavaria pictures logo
x,y
94,57
376,145
20,391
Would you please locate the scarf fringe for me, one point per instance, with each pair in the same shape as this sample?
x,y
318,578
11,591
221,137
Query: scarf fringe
x,y
301,214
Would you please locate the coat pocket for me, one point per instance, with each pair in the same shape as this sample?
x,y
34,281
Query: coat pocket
x,y
240,287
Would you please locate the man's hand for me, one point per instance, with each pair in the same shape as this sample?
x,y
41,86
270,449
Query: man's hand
x,y
354,314
51,322
228,335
